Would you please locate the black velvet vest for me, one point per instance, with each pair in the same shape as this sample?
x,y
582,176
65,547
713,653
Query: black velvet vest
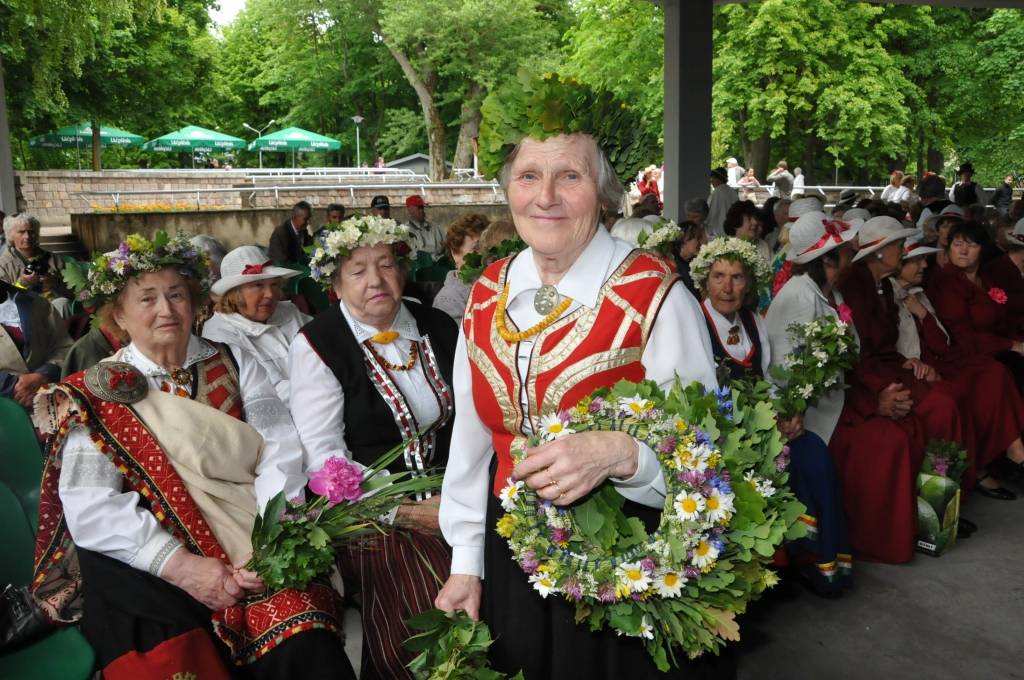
x,y
737,370
370,422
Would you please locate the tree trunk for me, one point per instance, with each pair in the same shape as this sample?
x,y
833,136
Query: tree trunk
x,y
936,160
97,162
424,88
757,154
470,127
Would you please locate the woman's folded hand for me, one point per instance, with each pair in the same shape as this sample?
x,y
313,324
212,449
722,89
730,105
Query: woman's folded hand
x,y
565,470
207,579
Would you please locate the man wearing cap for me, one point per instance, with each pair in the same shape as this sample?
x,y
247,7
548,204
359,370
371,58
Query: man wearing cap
x,y
424,237
966,191
380,206
288,242
722,198
933,197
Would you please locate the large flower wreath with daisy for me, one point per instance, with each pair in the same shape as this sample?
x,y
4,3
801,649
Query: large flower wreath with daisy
x,y
339,240
727,509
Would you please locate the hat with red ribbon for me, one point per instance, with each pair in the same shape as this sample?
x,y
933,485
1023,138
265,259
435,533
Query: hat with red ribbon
x,y
815,233
915,246
247,264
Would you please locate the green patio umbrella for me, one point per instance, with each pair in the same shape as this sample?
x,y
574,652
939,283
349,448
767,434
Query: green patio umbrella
x,y
294,139
192,137
76,136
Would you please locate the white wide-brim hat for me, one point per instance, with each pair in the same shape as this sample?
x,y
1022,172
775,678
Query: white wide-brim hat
x,y
1017,235
815,233
915,246
802,206
246,264
879,232
929,222
857,214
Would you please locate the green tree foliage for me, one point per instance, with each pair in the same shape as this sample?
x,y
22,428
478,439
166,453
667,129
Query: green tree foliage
x,y
457,50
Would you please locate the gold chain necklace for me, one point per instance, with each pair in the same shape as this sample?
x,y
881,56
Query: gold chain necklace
x,y
509,336
407,366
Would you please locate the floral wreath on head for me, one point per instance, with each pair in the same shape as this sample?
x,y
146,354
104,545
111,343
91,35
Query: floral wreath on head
x,y
339,240
97,282
543,106
736,250
662,238
727,508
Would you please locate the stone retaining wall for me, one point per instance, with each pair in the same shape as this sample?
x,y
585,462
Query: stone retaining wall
x,y
103,231
53,195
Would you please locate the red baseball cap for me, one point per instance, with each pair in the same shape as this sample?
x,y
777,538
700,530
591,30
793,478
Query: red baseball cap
x,y
415,199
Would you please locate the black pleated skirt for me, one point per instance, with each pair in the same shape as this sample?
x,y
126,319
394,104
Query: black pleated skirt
x,y
540,636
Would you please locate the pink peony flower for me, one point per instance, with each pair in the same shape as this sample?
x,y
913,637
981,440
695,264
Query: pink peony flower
x,y
998,295
845,313
941,467
339,480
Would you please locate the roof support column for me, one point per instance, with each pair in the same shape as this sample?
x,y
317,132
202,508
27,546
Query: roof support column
x,y
8,200
688,53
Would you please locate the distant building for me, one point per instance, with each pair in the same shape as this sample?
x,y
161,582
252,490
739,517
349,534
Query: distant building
x,y
419,163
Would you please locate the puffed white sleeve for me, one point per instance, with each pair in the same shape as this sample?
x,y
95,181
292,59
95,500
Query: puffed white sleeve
x,y
679,346
317,405
279,467
103,518
467,477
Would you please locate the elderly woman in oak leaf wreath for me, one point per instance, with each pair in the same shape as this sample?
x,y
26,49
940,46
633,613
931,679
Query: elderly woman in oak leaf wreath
x,y
160,528
729,272
376,371
574,311
250,315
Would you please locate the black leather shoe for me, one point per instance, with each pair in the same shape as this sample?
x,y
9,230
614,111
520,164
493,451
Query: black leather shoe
x,y
21,619
998,493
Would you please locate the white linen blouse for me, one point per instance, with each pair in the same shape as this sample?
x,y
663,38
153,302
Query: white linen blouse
x,y
103,518
318,402
678,346
268,342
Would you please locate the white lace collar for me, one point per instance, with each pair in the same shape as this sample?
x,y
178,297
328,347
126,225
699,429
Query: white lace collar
x,y
198,350
582,282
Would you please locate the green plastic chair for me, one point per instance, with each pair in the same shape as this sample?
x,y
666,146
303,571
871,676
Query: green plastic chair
x,y
21,461
63,654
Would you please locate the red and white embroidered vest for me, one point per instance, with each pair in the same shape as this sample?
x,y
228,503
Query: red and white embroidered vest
x,y
584,350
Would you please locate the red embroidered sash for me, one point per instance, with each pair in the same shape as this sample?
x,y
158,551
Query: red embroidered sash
x,y
582,351
252,627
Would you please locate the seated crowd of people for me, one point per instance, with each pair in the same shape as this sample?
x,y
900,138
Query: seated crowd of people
x,y
268,373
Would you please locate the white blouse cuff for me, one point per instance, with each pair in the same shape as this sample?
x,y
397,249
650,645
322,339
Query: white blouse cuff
x,y
155,552
468,559
647,469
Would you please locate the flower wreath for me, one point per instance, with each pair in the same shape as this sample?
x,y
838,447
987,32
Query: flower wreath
x,y
339,240
101,280
735,249
474,263
727,509
662,238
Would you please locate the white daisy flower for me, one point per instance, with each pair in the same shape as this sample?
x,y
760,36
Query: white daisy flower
x,y
705,554
509,496
719,506
689,505
806,391
635,405
646,629
633,577
669,584
765,488
552,427
543,583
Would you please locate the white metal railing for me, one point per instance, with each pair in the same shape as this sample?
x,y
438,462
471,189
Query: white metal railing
x,y
423,187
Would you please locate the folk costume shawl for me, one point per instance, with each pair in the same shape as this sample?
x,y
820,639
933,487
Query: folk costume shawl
x,y
584,350
206,502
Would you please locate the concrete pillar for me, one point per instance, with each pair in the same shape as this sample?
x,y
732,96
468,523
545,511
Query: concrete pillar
x,y
688,55
8,201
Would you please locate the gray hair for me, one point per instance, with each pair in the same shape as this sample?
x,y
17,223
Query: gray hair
x,y
609,188
209,245
18,219
697,205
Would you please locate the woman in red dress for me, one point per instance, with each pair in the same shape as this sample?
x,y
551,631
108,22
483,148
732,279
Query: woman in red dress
x,y
973,311
992,410
887,383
